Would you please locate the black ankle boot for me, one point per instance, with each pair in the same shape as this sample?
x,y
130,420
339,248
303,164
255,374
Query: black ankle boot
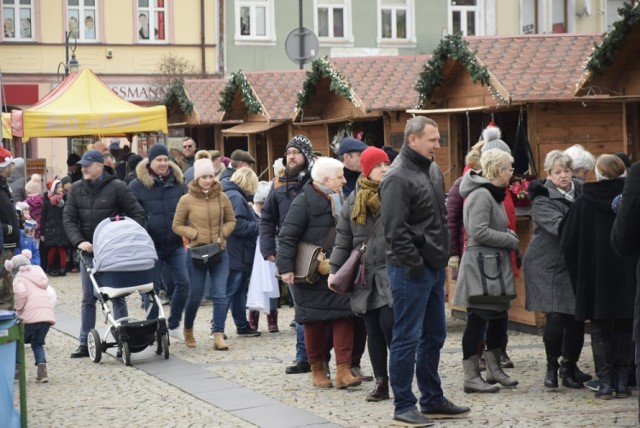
x,y
622,384
551,377
605,392
568,375
380,390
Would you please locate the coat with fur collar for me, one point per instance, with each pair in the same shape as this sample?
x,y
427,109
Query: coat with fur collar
x,y
159,198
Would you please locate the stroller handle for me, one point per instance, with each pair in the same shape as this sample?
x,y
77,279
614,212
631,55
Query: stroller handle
x,y
87,258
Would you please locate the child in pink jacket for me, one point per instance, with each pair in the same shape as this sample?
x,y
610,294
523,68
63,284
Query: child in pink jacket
x,y
34,302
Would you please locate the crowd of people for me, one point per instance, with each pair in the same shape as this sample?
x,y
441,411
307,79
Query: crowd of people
x,y
580,264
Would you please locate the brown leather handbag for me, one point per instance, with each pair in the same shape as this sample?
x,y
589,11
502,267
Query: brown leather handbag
x,y
309,257
352,272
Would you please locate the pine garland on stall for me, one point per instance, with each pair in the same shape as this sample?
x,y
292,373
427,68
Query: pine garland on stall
x,y
176,91
455,47
322,68
239,81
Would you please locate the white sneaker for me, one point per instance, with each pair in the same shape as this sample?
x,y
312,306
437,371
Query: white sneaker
x,y
176,333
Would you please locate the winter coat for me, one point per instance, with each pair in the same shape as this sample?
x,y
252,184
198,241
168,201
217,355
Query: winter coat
x,y
243,239
455,203
226,174
88,203
625,234
159,198
36,202
310,220
414,215
274,211
547,283
486,225
604,283
350,235
203,218
8,217
28,243
352,178
16,183
52,225
33,302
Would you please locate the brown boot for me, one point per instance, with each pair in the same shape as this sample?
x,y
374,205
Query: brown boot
x,y
272,320
344,378
254,319
319,375
41,376
189,340
219,343
380,391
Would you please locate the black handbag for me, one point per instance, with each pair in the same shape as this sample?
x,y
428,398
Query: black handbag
x,y
206,255
494,286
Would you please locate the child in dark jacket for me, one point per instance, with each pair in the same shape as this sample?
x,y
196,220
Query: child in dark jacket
x,y
53,230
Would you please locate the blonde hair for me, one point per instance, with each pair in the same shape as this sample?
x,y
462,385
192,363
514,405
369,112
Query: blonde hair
x,y
610,166
202,154
473,157
246,179
492,161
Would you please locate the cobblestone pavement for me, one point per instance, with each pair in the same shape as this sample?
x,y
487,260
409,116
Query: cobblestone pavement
x,y
81,392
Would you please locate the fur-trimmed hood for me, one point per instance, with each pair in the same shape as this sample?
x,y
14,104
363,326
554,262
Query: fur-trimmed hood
x,y
147,180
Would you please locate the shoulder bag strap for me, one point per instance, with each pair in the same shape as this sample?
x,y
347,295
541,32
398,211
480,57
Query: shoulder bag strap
x,y
363,246
221,218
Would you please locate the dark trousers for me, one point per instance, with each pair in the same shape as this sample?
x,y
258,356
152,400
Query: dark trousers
x,y
315,339
474,333
612,346
379,325
563,337
359,341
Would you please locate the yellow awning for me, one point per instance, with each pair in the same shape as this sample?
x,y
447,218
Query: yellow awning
x,y
6,125
83,105
249,128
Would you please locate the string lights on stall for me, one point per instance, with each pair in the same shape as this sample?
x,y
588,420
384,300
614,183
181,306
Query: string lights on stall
x,y
238,81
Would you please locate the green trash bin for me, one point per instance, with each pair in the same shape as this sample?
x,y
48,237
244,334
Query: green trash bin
x,y
12,339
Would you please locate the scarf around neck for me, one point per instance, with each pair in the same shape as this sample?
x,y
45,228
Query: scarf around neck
x,y
366,199
333,197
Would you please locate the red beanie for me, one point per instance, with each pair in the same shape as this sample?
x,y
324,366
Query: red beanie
x,y
371,157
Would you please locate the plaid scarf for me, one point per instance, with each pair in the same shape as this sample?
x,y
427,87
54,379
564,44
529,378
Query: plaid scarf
x,y
366,199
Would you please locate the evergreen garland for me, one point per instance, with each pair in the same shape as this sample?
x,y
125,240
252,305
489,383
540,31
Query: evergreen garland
x,y
603,55
238,81
322,68
176,90
452,46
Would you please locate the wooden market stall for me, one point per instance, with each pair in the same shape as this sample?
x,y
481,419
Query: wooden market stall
x,y
522,81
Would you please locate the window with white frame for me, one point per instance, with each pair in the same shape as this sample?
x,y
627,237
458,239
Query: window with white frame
x,y
82,20
254,19
395,20
332,19
17,19
465,17
152,20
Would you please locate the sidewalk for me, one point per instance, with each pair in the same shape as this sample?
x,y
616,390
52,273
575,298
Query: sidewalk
x,y
246,386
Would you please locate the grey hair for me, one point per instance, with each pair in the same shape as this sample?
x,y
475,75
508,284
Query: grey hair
x,y
492,161
557,157
325,167
581,158
416,125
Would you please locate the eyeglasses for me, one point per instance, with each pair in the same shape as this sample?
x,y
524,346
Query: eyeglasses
x,y
292,153
188,146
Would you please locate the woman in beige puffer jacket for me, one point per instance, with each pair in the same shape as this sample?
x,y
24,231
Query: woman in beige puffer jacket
x,y
205,216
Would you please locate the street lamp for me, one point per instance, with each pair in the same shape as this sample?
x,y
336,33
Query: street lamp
x,y
70,65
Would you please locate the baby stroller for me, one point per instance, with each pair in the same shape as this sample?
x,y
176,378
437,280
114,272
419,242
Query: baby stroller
x,y
123,263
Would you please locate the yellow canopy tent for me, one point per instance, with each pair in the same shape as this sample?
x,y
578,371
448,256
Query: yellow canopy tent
x,y
84,105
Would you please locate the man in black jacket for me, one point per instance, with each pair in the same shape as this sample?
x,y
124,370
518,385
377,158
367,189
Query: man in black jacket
x,y
97,196
10,232
298,162
415,225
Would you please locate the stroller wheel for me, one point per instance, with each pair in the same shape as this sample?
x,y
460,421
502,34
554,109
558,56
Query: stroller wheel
x,y
165,345
159,340
126,354
94,345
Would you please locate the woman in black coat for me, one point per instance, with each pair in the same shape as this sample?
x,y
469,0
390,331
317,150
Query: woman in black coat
x,y
53,230
604,282
312,219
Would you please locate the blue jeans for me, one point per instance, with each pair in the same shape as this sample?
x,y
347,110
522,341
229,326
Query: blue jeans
x,y
419,332
175,260
218,273
35,334
88,308
237,287
301,350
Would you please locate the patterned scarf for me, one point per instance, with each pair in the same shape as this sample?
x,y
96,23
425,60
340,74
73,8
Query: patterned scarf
x,y
331,196
366,199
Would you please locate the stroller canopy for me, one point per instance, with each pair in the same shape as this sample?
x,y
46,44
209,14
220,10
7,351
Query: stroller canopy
x,y
122,246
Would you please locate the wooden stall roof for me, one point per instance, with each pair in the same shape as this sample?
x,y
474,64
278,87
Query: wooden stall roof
x,y
205,94
613,67
522,68
277,91
383,82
